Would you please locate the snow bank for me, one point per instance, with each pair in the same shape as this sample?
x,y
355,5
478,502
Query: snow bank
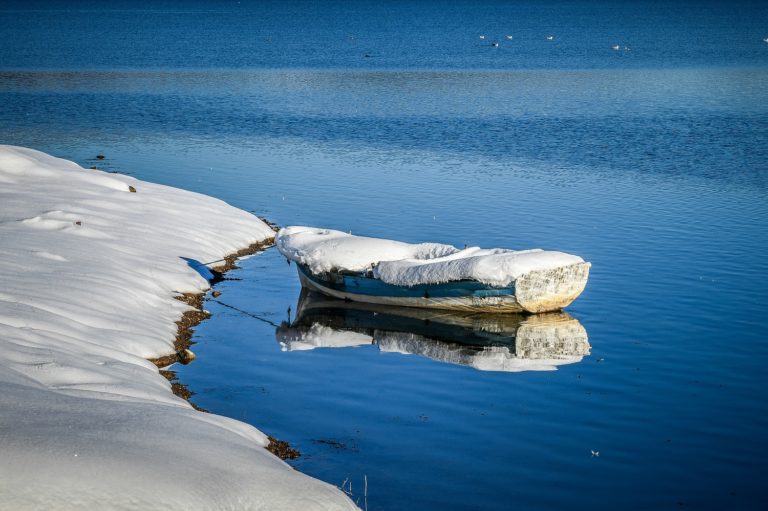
x,y
406,264
89,272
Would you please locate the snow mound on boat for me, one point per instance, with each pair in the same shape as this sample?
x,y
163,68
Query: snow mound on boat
x,y
495,267
323,250
406,264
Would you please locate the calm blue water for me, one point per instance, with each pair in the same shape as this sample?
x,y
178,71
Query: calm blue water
x,y
370,35
651,162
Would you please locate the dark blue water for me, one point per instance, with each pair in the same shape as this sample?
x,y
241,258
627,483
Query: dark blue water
x,y
370,34
651,162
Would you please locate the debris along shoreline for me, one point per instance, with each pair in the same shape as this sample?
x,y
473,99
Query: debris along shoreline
x,y
90,269
191,318
195,316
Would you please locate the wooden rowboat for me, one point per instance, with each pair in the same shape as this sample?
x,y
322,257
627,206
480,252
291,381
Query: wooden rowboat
x,y
432,275
537,291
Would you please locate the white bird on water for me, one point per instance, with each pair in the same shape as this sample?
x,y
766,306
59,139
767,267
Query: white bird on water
x,y
615,47
550,38
765,39
482,36
495,44
509,37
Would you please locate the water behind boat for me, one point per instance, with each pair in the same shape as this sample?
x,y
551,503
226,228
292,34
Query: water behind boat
x,y
650,162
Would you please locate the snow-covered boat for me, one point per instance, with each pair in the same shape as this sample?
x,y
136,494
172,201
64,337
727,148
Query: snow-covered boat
x,y
487,342
432,275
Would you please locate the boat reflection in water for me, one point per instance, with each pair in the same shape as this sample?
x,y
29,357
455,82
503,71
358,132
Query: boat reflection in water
x,y
487,342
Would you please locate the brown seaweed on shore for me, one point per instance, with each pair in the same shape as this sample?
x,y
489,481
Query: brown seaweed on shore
x,y
181,345
192,318
179,389
279,448
282,449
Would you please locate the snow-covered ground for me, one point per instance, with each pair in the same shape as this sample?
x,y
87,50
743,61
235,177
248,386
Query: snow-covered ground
x,y
88,274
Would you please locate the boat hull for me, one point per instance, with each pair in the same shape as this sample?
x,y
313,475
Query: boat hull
x,y
539,291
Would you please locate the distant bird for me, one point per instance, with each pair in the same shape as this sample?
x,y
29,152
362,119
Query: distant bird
x,y
765,39
482,37
627,48
495,44
550,38
595,454
615,47
509,37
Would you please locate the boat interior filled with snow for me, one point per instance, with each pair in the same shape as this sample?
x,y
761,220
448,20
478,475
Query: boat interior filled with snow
x,y
487,342
432,275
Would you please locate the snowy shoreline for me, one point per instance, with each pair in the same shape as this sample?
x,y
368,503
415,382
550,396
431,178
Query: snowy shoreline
x,y
196,314
91,271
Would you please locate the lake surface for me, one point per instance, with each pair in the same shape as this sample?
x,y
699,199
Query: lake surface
x,y
650,162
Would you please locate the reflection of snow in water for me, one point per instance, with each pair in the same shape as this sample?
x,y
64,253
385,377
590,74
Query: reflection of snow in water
x,y
320,336
483,358
541,344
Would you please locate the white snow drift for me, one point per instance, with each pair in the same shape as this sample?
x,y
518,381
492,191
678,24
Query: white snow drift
x,y
89,271
406,264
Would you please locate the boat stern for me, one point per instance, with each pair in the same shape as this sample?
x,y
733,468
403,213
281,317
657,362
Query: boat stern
x,y
551,290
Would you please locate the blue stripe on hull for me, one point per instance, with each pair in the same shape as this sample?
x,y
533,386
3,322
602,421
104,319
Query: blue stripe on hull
x,y
359,285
